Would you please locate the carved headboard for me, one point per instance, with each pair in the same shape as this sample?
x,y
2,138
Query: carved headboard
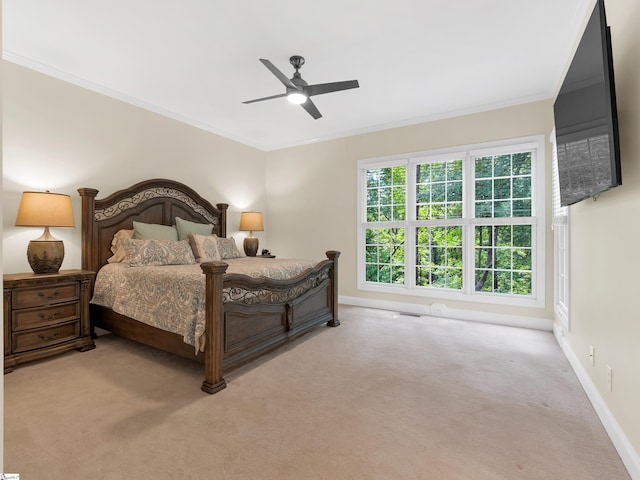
x,y
152,201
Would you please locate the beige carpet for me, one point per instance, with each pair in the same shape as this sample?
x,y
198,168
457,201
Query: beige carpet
x,y
380,397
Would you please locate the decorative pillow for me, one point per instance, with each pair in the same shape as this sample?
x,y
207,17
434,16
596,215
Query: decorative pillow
x,y
157,252
154,231
185,227
205,247
227,247
116,246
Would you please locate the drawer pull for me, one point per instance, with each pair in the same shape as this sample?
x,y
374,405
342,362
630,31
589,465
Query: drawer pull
x,y
52,337
53,295
50,317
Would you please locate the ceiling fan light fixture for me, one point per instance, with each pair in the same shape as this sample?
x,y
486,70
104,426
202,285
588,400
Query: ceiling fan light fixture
x,y
297,97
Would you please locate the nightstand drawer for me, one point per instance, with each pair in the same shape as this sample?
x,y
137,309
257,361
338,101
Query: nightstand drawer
x,y
45,316
45,295
43,337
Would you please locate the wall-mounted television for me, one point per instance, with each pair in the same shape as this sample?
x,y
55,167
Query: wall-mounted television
x,y
586,117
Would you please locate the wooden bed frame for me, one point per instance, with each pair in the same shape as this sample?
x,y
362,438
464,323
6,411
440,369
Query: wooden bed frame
x,y
235,332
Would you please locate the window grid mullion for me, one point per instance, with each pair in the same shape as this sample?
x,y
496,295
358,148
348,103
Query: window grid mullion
x,y
410,229
469,192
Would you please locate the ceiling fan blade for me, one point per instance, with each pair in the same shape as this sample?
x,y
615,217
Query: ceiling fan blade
x,y
281,76
310,107
321,88
266,98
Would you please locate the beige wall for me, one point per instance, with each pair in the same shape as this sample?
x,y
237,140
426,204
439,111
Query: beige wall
x,y
605,262
322,178
61,137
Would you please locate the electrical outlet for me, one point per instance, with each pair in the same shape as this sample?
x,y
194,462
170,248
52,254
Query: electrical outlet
x,y
609,378
592,355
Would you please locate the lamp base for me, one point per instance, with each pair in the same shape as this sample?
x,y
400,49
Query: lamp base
x,y
250,245
45,256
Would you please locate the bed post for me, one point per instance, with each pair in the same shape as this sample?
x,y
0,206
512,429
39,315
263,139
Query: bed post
x,y
214,327
88,206
223,218
333,255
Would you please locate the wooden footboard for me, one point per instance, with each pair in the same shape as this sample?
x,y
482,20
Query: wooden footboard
x,y
248,317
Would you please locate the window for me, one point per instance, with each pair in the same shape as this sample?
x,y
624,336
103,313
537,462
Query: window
x,y
386,205
560,225
457,224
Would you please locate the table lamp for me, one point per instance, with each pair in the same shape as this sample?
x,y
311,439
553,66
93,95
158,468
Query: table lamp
x,y
45,209
251,221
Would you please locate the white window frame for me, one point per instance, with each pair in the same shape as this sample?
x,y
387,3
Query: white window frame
x,y
537,220
561,237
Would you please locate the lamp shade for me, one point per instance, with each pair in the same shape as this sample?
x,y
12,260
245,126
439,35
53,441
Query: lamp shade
x,y
45,209
251,221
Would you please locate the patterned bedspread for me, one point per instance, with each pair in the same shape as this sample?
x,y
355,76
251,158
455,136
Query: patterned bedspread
x,y
172,297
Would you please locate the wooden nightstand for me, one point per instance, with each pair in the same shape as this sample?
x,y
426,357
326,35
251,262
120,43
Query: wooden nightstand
x,y
46,314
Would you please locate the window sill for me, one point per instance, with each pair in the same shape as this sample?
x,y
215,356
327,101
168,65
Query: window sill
x,y
478,297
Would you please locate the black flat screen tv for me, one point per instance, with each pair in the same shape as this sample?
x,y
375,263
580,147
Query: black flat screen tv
x,y
586,117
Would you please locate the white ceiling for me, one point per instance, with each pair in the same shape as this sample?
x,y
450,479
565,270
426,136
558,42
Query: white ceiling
x,y
197,60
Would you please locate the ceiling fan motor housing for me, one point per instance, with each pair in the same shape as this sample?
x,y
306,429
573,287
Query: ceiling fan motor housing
x,y
297,61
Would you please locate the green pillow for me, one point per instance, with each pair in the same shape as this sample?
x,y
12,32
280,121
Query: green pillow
x,y
185,227
154,231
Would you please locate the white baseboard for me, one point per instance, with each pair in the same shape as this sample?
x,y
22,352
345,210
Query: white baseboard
x,y
442,310
620,441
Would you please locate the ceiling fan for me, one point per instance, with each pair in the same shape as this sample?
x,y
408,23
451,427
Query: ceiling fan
x,y
299,91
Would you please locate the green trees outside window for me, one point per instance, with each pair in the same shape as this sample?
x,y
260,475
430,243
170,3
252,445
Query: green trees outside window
x,y
503,259
385,247
385,255
503,252
439,257
462,223
439,190
386,194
